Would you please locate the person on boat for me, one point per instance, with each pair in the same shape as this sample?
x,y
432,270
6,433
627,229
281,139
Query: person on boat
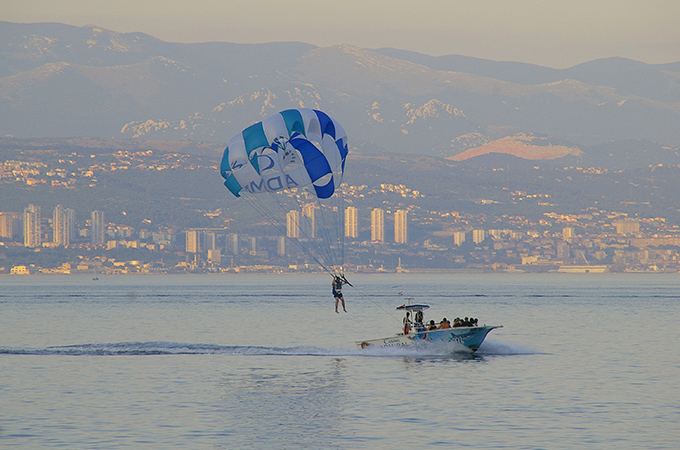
x,y
444,324
432,325
407,323
419,318
457,322
337,293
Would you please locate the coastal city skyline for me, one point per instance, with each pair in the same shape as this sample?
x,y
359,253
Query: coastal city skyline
x,y
613,242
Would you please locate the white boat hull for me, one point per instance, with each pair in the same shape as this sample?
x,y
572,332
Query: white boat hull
x,y
470,337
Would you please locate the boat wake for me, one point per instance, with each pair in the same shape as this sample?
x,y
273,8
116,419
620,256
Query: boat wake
x,y
161,348
489,348
492,347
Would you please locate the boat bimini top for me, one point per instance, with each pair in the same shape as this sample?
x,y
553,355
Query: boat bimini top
x,y
412,307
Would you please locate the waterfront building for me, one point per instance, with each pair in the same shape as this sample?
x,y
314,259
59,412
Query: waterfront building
x,y
209,241
378,225
32,226
293,224
232,244
308,222
458,238
562,250
478,236
281,246
401,226
193,241
6,226
63,226
98,225
351,222
10,224
19,270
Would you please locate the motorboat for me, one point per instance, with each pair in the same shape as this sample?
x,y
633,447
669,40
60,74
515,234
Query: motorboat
x,y
417,333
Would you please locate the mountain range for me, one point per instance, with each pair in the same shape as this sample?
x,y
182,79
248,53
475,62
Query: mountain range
x,y
58,80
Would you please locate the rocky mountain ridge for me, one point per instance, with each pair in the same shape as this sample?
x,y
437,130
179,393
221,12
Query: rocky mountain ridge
x,y
63,81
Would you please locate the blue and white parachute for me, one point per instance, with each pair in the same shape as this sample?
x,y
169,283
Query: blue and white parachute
x,y
292,149
297,157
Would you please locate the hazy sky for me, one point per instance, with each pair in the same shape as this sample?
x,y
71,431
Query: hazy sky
x,y
555,33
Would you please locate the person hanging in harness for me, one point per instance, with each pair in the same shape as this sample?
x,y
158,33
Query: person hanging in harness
x,y
337,292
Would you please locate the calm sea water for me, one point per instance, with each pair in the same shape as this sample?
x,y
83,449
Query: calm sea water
x,y
262,362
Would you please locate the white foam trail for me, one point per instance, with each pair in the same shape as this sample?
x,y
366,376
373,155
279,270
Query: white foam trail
x,y
161,348
435,349
492,347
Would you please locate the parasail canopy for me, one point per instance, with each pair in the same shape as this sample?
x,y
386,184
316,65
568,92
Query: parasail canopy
x,y
292,149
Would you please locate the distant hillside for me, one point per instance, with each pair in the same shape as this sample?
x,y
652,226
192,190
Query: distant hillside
x,y
62,81
654,81
629,154
177,183
619,155
522,146
9,146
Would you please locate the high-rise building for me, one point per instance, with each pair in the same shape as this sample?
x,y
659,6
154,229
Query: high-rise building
x,y
478,236
98,224
9,224
193,241
281,246
351,222
293,224
209,241
63,226
401,226
567,234
232,244
6,226
562,250
308,221
378,225
32,227
458,238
